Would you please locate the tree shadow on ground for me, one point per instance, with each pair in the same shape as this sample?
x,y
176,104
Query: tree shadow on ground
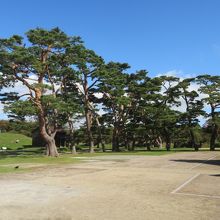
x,y
208,162
216,175
21,152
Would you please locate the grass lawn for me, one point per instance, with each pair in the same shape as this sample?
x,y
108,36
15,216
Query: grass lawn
x,y
9,140
9,161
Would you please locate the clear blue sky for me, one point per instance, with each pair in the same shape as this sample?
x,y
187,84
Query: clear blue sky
x,y
157,35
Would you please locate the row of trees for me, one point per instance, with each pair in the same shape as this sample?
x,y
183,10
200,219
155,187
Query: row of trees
x,y
64,80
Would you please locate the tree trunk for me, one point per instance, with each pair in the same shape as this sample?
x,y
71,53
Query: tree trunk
x,y
148,144
72,144
192,140
73,149
51,148
89,132
115,141
159,142
214,136
148,147
72,138
100,134
133,143
88,114
167,139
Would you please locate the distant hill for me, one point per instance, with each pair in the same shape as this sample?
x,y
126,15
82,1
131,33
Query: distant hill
x,y
14,141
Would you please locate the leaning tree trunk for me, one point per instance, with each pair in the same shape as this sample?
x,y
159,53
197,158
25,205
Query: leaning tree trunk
x,y
51,148
48,137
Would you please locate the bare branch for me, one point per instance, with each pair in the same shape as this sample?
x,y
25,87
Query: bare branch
x,y
26,94
93,84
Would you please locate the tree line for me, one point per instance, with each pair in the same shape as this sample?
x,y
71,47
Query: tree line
x,y
64,81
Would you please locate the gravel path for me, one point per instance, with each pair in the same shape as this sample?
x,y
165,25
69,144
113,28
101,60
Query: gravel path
x,y
117,187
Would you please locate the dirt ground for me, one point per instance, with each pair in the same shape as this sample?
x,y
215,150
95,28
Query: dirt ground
x,y
175,187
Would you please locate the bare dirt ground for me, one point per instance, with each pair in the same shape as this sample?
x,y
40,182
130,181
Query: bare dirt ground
x,y
175,187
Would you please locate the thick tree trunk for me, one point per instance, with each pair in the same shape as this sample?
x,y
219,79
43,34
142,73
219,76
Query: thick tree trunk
x,y
51,148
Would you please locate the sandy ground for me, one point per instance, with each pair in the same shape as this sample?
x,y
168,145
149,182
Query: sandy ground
x,y
175,187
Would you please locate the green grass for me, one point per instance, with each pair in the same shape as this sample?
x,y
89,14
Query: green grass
x,y
63,159
9,140
8,163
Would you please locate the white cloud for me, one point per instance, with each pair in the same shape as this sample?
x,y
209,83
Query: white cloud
x,y
176,73
19,88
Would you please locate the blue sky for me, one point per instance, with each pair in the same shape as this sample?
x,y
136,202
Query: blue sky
x,y
179,37
157,35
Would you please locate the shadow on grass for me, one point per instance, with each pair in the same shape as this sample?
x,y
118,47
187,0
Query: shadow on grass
x,y
208,162
26,151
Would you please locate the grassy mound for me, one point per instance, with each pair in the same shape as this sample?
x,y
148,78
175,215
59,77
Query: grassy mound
x,y
14,141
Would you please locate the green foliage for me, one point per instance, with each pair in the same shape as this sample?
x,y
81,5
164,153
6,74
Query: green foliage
x,y
64,80
15,126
